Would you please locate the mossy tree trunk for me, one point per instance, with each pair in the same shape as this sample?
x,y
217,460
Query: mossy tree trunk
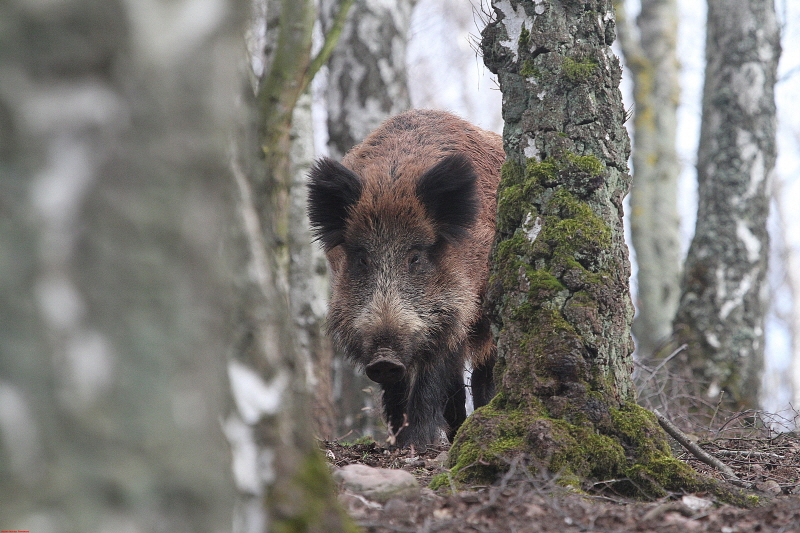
x,y
722,307
558,291
655,224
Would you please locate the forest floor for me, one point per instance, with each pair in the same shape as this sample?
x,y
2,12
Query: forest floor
x,y
769,463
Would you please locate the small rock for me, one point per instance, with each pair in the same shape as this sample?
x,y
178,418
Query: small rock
x,y
377,484
694,503
440,459
769,486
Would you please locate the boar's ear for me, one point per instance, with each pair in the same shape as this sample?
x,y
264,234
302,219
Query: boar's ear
x,y
449,193
332,190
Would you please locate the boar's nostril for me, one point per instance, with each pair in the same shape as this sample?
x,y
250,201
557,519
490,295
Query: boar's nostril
x,y
386,370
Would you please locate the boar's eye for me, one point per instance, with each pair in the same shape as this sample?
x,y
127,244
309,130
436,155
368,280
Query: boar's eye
x,y
360,259
416,261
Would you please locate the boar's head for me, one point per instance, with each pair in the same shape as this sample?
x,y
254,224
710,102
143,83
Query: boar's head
x,y
392,234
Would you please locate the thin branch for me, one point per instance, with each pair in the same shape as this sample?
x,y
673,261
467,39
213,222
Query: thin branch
x,y
331,39
666,360
697,451
748,454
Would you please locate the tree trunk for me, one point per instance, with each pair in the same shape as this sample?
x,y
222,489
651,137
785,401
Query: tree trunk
x,y
113,295
722,308
367,80
308,279
367,83
281,477
558,291
655,224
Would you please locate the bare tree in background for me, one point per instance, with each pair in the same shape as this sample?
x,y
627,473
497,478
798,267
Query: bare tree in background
x,y
655,224
722,307
366,84
114,297
282,480
367,80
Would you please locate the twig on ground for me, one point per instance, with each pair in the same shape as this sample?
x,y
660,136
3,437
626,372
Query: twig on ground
x,y
698,452
750,454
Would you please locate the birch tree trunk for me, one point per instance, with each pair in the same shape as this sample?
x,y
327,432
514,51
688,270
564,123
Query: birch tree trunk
x,y
558,289
655,224
722,307
367,80
282,480
113,295
308,279
367,83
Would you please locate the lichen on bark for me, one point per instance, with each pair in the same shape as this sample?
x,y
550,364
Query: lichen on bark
x,y
558,292
722,308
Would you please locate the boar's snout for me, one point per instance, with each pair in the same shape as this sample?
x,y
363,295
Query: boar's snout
x,y
386,368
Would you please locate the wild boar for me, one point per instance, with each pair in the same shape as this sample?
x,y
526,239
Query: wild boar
x,y
407,221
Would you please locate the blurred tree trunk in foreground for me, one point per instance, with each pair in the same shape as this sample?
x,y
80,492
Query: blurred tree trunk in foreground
x,y
722,307
281,476
367,83
558,290
655,224
114,297
130,253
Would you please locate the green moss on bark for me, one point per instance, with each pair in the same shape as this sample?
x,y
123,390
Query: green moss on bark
x,y
314,493
633,451
577,71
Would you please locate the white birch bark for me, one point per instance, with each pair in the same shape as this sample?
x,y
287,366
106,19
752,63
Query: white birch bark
x,y
113,295
655,224
367,79
308,278
722,308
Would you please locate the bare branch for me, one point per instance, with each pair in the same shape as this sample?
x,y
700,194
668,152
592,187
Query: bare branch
x,y
331,39
697,451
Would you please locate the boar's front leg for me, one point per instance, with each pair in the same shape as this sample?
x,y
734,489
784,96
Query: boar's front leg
x,y
433,400
455,409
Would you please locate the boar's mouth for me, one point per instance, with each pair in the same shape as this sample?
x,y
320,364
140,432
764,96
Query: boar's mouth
x,y
386,368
